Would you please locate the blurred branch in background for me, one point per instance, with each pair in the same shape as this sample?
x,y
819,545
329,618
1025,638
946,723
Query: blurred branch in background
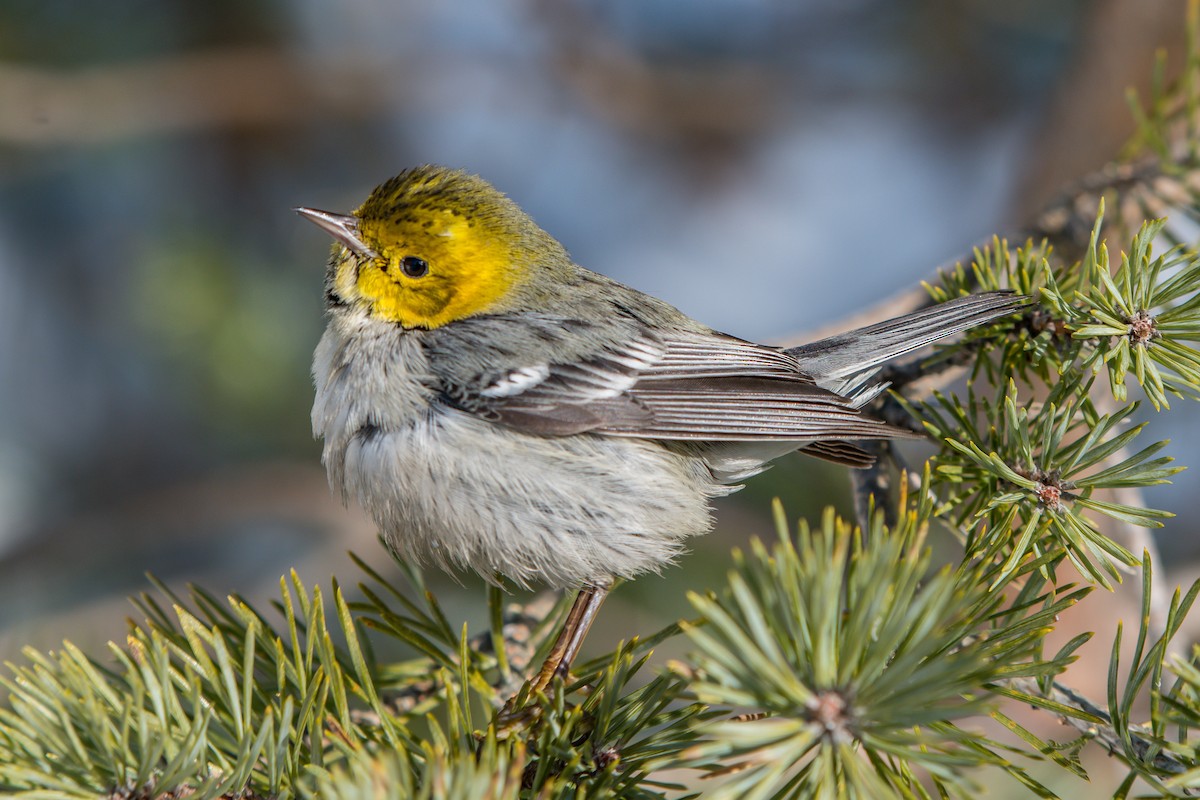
x,y
180,94
1091,121
710,106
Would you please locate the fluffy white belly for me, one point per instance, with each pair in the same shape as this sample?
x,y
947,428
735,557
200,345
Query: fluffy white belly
x,y
560,510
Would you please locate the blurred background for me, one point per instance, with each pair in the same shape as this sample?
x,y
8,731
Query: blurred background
x,y
768,167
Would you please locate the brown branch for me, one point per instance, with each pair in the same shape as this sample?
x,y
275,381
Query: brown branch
x,y
1142,744
875,483
220,88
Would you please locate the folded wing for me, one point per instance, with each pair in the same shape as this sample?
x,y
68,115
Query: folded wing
x,y
706,387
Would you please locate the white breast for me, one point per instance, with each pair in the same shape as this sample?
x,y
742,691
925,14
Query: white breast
x,y
449,487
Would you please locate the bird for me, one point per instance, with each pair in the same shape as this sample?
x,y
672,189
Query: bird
x,y
496,407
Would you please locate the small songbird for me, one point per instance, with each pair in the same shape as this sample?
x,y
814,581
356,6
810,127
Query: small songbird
x,y
495,406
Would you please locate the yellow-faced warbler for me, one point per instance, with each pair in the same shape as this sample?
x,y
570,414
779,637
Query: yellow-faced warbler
x,y
495,406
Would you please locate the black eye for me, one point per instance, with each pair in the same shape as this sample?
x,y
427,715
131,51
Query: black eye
x,y
414,267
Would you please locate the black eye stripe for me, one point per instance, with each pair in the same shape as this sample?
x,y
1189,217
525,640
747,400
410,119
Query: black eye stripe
x,y
414,267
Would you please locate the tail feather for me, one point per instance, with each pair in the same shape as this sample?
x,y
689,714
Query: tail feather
x,y
845,363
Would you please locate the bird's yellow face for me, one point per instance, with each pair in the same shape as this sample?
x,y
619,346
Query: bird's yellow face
x,y
428,269
432,246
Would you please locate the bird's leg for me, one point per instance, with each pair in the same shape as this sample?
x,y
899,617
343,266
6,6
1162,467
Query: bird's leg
x,y
566,647
583,613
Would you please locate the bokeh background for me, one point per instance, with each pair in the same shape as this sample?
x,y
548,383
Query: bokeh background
x,y
769,167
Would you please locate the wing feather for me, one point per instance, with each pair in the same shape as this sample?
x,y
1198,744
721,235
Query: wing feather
x,y
722,356
842,453
793,411
708,387
628,378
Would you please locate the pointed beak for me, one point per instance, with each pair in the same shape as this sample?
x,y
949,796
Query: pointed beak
x,y
342,227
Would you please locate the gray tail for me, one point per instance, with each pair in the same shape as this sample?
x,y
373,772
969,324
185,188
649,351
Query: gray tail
x,y
844,363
